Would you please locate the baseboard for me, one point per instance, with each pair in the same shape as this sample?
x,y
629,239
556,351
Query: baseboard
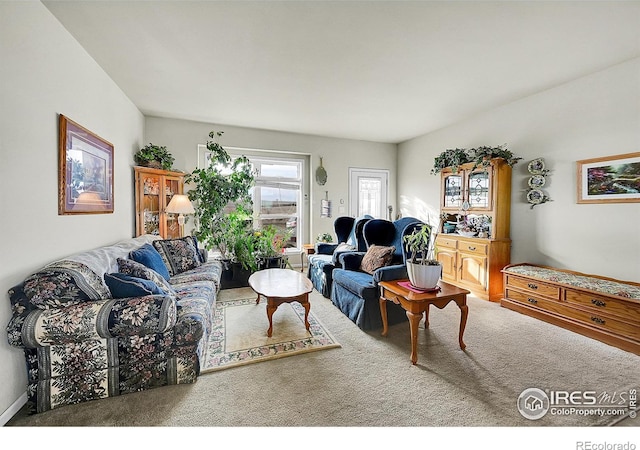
x,y
13,409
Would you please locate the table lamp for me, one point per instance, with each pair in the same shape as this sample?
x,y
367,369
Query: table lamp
x,y
181,205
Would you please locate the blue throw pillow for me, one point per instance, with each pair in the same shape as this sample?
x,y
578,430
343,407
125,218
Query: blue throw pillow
x,y
148,256
124,286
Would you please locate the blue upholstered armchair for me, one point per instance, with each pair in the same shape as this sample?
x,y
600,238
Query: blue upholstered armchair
x,y
321,264
355,292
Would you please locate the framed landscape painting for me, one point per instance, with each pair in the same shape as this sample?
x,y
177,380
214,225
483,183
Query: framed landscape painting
x,y
610,179
85,171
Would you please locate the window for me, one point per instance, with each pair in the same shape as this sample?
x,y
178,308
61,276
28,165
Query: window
x,y
368,192
277,195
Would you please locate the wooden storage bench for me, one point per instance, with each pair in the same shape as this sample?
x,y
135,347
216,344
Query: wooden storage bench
x,y
601,308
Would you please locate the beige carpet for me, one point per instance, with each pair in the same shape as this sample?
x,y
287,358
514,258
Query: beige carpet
x,y
370,382
239,334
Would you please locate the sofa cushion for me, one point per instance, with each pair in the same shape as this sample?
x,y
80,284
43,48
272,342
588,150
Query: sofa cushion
x,y
377,256
150,257
123,286
359,283
179,255
137,270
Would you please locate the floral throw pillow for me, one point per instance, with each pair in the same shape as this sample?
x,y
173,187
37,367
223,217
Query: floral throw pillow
x,y
138,270
377,256
179,255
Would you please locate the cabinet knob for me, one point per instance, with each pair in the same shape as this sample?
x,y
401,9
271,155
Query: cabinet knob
x,y
532,301
472,248
598,302
532,286
598,320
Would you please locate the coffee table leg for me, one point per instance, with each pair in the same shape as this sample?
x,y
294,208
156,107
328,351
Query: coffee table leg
x,y
307,307
258,299
414,321
464,312
271,308
383,314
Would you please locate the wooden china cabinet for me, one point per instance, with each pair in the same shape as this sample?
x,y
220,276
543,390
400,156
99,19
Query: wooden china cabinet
x,y
475,263
154,189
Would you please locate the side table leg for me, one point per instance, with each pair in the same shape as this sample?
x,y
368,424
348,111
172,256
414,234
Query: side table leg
x,y
426,317
383,313
464,312
414,321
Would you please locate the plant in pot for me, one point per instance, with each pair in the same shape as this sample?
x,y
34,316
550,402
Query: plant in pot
x,y
222,203
270,243
155,156
423,269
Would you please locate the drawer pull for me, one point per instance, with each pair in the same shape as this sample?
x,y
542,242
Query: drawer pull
x,y
598,320
532,300
532,286
472,248
598,302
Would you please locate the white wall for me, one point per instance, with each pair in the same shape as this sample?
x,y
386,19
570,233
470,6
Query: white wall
x,y
44,72
182,138
594,116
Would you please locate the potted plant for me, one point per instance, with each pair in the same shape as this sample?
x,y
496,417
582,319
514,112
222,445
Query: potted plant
x,y
480,156
270,243
423,269
155,156
222,203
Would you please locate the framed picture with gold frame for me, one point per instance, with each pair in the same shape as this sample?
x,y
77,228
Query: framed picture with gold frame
x,y
610,179
85,170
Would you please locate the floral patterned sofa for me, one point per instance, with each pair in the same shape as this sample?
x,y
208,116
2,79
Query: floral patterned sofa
x,y
117,319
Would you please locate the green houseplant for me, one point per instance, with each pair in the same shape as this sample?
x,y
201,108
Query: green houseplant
x,y
423,269
222,201
480,157
154,156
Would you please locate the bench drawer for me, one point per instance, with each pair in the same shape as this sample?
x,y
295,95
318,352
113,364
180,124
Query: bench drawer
x,y
534,286
626,310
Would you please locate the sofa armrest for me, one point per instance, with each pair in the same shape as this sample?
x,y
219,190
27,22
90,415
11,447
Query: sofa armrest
x,y
351,260
387,273
107,318
324,248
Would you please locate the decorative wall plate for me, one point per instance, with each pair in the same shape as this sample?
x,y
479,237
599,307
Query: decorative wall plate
x,y
536,166
536,181
535,196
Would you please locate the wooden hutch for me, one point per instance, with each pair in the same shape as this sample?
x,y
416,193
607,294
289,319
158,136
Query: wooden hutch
x,y
475,263
154,189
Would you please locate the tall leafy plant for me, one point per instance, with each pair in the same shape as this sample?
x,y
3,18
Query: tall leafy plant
x,y
223,182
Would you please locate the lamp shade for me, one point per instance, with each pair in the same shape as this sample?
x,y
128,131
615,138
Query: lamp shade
x,y
180,204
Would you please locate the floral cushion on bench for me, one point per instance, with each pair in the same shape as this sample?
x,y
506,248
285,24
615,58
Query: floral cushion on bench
x,y
581,281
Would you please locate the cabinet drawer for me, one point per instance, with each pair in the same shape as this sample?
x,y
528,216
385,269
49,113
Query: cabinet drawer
x,y
446,242
472,247
534,286
626,310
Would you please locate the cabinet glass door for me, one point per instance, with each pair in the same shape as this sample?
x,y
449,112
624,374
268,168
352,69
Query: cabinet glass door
x,y
453,191
479,188
151,204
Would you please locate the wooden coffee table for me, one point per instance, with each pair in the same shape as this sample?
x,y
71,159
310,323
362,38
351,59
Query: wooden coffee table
x,y
415,304
282,286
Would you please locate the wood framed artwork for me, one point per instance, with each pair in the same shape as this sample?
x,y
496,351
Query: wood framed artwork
x,y
85,170
610,179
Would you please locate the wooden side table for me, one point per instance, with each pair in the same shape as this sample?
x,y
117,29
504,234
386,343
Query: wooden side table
x,y
307,249
415,304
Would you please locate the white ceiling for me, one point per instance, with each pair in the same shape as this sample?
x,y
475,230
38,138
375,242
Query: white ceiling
x,y
382,71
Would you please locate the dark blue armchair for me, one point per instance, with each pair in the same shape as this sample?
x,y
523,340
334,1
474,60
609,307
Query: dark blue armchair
x,y
321,264
355,292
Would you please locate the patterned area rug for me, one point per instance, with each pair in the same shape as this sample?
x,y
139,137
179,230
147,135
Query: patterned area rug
x,y
239,334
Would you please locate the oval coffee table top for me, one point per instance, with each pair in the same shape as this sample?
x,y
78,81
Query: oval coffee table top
x,y
280,283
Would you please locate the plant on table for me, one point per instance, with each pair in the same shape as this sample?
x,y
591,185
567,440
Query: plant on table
x,y
423,269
